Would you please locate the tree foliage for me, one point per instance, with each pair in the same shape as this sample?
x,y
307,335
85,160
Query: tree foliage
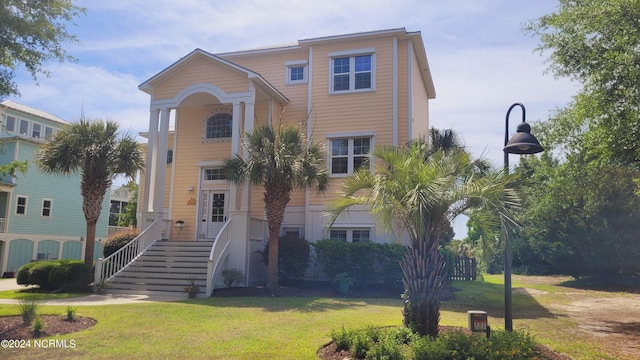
x,y
97,151
32,33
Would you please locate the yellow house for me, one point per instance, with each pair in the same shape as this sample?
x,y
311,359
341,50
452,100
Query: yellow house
x,y
353,92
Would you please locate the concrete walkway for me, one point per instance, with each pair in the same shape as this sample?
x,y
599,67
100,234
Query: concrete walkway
x,y
89,300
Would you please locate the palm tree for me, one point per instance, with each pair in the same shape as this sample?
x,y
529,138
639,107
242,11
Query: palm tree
x,y
421,191
279,161
95,150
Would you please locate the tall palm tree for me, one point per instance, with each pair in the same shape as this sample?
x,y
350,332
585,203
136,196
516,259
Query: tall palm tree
x,y
95,149
421,192
279,160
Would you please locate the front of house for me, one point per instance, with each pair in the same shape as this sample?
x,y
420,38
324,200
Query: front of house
x,y
352,92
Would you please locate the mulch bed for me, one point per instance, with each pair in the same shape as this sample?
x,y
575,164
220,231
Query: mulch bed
x,y
12,327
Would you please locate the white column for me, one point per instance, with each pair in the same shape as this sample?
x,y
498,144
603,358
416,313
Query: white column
x,y
161,162
235,129
149,181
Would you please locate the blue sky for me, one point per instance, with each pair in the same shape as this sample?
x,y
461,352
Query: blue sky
x,y
480,59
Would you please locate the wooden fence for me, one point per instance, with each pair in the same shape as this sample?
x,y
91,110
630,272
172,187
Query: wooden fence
x,y
463,268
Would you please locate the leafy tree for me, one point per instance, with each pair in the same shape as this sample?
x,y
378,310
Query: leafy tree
x,y
279,160
128,217
32,33
420,192
596,43
96,151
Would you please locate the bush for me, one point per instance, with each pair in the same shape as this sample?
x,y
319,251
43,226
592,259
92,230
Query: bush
x,y
28,311
71,275
293,257
39,274
365,261
232,277
22,278
118,240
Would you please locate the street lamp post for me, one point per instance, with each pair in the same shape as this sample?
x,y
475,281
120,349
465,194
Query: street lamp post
x,y
521,143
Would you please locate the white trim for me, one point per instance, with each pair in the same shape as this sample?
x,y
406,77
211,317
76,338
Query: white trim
x,y
26,205
351,134
296,62
410,89
350,155
394,86
350,53
210,163
50,208
305,74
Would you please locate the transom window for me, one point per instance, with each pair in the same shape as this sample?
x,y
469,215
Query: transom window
x,y
219,126
352,73
349,155
214,174
350,235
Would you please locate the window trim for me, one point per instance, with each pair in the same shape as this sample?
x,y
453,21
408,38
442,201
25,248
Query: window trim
x,y
297,64
351,54
42,209
26,204
350,231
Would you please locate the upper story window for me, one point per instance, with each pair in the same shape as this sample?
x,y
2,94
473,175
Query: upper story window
x,y
352,71
213,174
10,125
46,207
48,133
24,127
349,154
21,205
296,71
218,126
36,129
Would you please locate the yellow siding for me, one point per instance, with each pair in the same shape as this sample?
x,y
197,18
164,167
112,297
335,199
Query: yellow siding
x,y
420,102
202,71
403,93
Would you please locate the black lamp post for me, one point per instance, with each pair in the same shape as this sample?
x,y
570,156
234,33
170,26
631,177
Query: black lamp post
x,y
521,143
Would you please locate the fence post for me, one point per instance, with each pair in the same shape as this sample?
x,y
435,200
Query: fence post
x,y
97,275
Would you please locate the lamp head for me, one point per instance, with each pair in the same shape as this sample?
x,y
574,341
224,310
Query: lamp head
x,y
523,142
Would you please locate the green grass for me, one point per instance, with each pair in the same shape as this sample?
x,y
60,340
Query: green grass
x,y
284,328
36,294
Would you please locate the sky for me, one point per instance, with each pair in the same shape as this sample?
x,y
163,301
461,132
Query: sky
x,y
481,60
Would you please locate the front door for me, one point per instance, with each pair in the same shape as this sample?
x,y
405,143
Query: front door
x,y
213,213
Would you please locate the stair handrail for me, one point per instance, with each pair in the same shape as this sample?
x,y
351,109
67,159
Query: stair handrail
x,y
215,256
107,268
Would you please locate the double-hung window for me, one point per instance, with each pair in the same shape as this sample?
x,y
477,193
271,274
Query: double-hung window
x,y
47,204
349,154
350,235
10,125
352,71
21,205
24,127
36,129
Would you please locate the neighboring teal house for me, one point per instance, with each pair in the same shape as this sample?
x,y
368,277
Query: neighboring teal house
x,y
40,215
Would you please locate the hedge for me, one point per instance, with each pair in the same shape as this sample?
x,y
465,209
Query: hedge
x,y
56,274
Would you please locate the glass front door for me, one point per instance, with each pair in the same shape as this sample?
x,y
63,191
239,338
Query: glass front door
x,y
213,213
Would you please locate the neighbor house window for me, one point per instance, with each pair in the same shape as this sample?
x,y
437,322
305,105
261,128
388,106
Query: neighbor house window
x,y
352,73
296,72
349,155
219,126
24,127
21,205
350,235
10,125
48,133
46,207
35,131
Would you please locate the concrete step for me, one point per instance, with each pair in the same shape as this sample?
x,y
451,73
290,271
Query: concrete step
x,y
172,253
158,281
178,271
152,287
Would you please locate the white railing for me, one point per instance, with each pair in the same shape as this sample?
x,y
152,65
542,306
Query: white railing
x,y
108,267
218,251
3,226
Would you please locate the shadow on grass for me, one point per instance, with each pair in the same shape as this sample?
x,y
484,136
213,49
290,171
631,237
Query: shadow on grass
x,y
489,297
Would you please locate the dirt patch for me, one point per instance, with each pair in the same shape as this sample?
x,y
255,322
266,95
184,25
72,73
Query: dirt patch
x,y
12,327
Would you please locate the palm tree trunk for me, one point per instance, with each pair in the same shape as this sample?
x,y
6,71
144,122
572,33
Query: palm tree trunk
x,y
276,198
91,242
422,276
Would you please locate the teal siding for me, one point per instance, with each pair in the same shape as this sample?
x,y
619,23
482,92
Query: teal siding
x,y
97,251
50,248
72,250
20,253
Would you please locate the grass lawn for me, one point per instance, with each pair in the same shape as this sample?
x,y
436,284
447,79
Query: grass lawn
x,y
286,328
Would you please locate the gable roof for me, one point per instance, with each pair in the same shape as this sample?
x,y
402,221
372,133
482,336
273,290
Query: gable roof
x,y
196,54
8,104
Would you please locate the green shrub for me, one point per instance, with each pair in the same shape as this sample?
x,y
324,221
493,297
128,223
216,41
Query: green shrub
x,y
22,278
342,339
232,277
28,311
39,274
38,327
293,257
71,275
118,240
71,313
365,261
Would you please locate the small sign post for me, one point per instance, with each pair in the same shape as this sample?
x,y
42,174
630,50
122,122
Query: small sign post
x,y
478,321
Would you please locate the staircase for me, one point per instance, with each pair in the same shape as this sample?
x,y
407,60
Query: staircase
x,y
165,269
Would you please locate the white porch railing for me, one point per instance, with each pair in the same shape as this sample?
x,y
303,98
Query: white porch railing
x,y
3,225
111,265
219,250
